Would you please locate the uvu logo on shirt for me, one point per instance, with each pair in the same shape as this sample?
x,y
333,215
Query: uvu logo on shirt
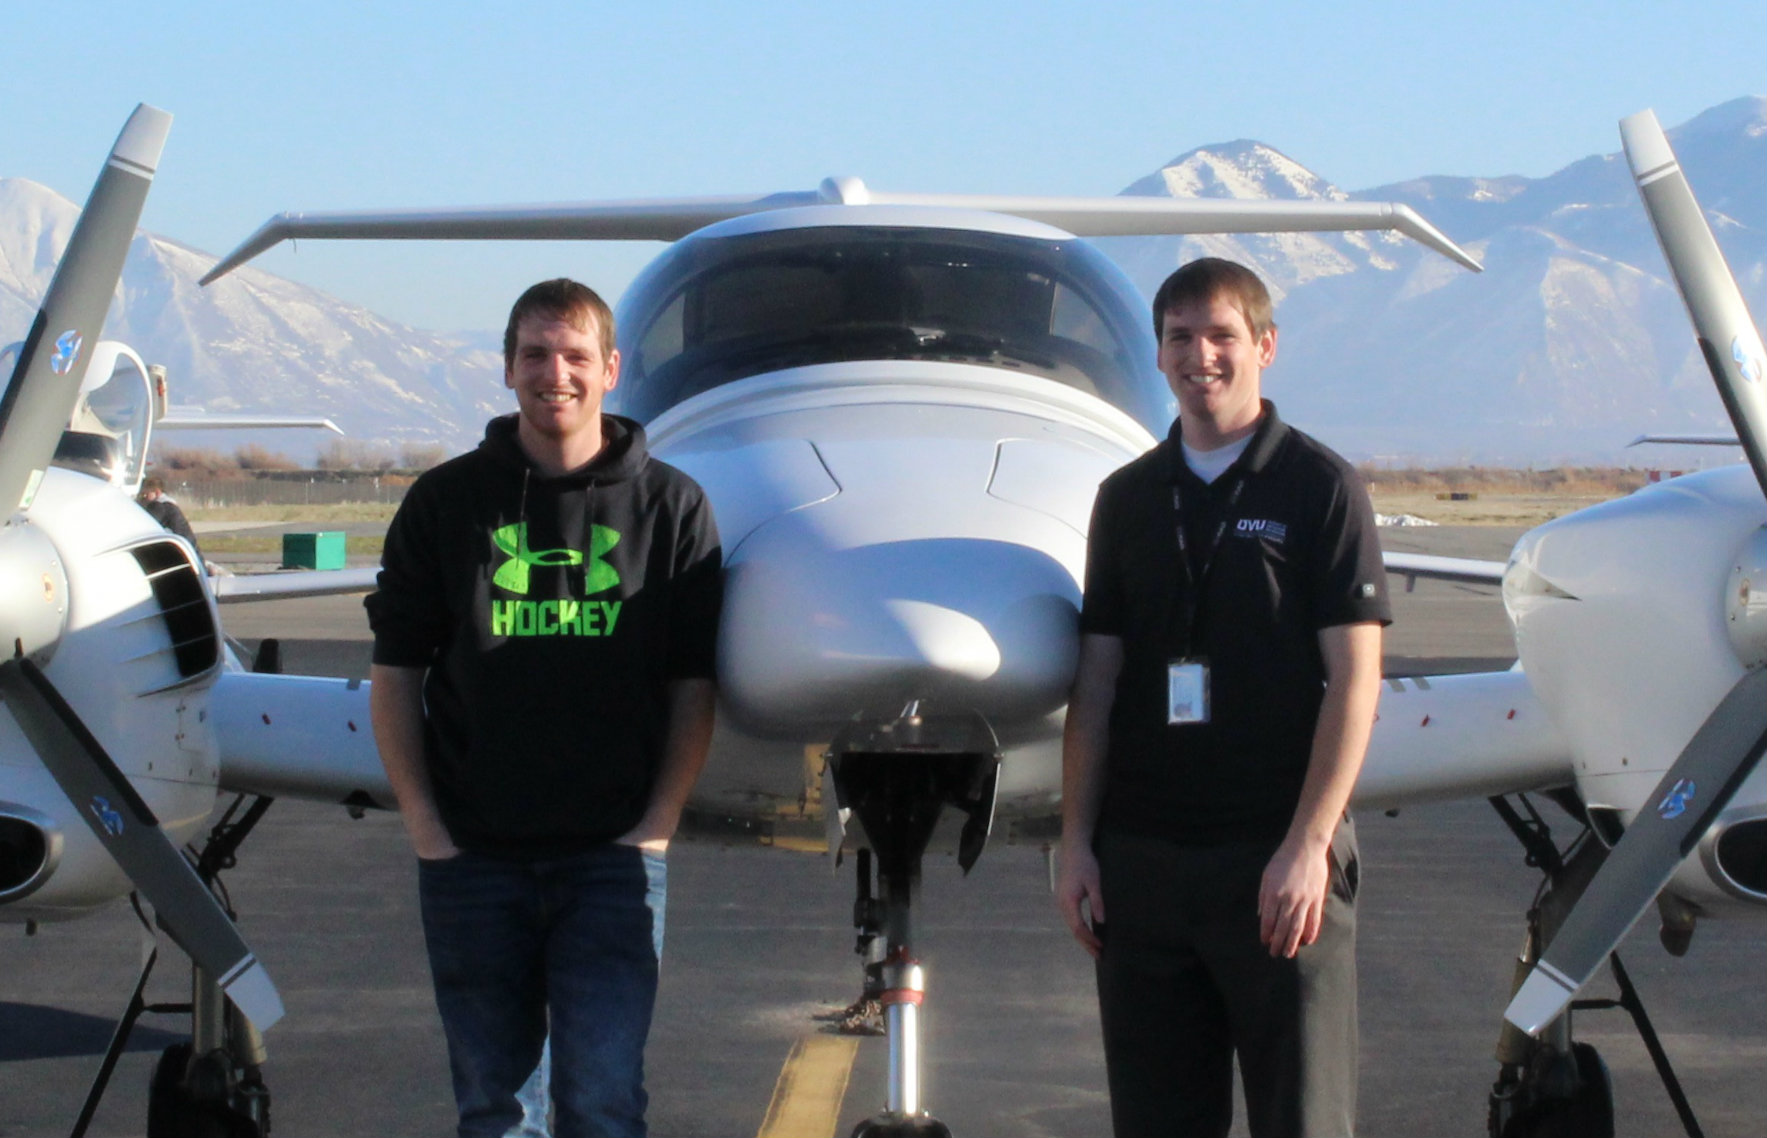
x,y
562,616
1273,532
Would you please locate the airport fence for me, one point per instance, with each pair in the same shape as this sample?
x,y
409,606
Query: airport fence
x,y
209,493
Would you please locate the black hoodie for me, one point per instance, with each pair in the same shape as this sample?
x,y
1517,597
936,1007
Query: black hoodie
x,y
551,614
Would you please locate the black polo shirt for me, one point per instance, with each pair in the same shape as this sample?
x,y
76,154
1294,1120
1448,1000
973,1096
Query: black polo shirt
x,y
1298,553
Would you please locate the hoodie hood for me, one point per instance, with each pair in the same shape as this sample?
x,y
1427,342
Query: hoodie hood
x,y
622,456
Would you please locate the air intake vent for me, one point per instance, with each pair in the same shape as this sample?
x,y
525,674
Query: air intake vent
x,y
177,586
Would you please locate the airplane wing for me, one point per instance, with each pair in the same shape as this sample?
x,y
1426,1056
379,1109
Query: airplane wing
x,y
1733,737
1438,738
1466,570
669,219
196,419
288,584
1729,440
305,737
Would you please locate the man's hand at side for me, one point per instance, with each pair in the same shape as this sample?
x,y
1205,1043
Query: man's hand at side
x,y
395,702
692,707
1291,897
1077,892
1085,737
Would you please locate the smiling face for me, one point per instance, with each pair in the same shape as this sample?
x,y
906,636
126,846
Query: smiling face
x,y
560,374
1213,362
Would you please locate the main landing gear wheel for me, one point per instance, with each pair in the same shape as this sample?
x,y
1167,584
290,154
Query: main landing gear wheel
x,y
191,1099
1568,1096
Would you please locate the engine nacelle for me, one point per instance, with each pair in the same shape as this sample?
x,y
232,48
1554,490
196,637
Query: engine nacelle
x,y
30,849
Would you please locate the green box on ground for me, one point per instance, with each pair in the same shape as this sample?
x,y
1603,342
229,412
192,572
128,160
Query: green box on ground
x,y
323,550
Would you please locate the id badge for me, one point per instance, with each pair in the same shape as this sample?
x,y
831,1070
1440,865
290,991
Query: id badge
x,y
1187,691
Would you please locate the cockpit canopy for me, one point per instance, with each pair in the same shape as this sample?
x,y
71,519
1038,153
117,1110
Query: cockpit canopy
x,y
112,420
716,309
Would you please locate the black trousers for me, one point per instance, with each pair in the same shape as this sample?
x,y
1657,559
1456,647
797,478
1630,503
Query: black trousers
x,y
1184,985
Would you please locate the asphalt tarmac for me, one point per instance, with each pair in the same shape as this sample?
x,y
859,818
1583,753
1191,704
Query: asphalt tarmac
x,y
760,945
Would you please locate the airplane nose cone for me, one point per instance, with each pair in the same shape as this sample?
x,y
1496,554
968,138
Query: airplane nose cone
x,y
811,634
944,640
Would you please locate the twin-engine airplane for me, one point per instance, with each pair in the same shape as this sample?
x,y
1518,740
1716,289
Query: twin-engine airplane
x,y
900,406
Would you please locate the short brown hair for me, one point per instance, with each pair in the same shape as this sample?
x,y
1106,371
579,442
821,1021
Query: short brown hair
x,y
561,299
1209,278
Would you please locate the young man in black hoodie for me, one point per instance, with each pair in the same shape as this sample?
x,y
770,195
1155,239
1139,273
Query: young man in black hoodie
x,y
544,639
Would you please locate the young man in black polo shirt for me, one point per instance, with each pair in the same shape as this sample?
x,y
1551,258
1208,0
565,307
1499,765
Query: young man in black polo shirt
x,y
1229,671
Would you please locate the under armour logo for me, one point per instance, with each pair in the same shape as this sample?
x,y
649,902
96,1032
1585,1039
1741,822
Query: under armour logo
x,y
512,575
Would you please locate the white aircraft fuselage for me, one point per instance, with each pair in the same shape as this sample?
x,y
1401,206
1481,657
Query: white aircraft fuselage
x,y
900,415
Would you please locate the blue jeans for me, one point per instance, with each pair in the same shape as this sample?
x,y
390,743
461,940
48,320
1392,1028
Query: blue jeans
x,y
521,947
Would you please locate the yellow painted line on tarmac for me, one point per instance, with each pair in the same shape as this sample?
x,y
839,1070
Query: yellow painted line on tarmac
x,y
807,1098
798,845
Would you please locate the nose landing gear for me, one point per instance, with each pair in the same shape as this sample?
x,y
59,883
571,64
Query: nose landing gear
x,y
897,776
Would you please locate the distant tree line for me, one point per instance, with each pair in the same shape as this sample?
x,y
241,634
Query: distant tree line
x,y
338,459
1612,481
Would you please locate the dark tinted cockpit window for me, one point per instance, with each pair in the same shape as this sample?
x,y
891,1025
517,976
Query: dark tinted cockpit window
x,y
714,310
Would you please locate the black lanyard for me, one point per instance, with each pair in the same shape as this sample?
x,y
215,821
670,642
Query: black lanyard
x,y
1194,579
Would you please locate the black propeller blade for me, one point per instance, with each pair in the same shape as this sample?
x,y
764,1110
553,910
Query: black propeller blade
x,y
1731,741
1721,322
108,803
45,384
1699,784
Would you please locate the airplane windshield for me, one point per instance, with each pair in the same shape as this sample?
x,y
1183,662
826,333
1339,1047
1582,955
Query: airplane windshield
x,y
717,310
108,434
121,408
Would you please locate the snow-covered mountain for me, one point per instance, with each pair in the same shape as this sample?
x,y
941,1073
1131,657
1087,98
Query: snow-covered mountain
x,y
256,342
1571,342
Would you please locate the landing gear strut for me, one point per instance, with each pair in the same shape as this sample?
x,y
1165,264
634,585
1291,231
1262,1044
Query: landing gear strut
x,y
1553,1085
896,777
210,1087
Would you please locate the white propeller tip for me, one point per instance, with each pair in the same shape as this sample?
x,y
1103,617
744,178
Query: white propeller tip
x,y
1541,998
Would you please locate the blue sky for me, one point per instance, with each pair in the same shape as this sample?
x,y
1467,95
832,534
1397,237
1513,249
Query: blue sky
x,y
331,105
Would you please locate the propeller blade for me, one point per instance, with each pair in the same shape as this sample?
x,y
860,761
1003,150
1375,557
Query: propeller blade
x,y
103,796
39,400
1726,333
1699,784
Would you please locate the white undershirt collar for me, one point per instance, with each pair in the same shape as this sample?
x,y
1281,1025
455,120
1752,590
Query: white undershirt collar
x,y
1209,465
